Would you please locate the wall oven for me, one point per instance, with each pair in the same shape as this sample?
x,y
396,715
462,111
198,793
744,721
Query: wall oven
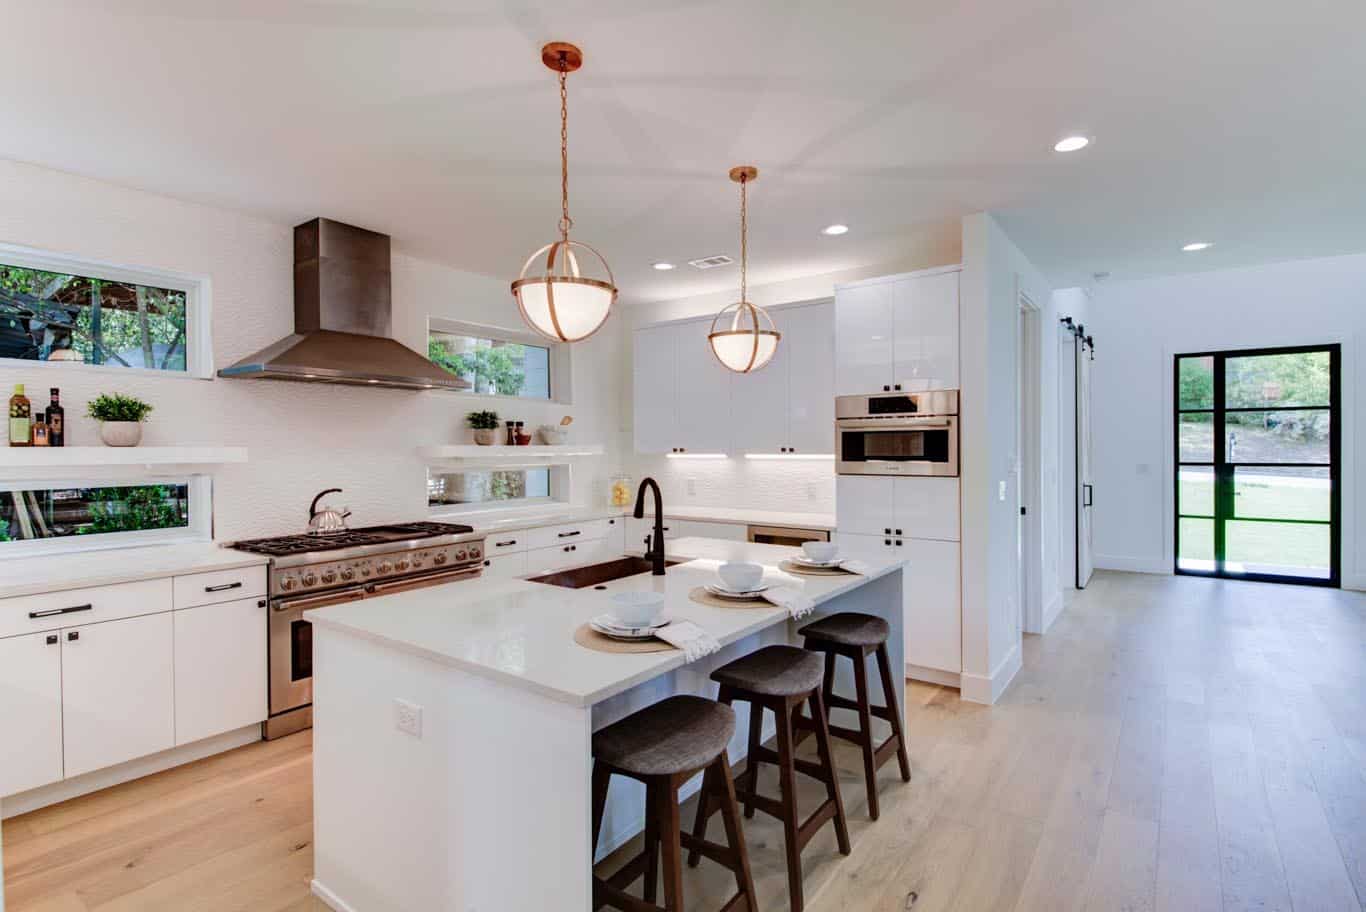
x,y
897,434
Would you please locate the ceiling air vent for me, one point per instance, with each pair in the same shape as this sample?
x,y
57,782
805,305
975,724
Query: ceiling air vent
x,y
711,262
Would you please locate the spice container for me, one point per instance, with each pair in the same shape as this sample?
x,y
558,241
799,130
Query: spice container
x,y
621,490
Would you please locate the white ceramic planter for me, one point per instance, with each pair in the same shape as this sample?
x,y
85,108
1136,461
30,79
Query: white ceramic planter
x,y
121,433
486,436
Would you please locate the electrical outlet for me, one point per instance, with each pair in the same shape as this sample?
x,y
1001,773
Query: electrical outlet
x,y
692,487
408,718
1001,492
810,491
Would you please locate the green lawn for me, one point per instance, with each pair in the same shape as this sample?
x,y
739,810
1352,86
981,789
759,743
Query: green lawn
x,y
1259,545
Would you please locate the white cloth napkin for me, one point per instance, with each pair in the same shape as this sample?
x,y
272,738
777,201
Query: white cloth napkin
x,y
854,566
687,636
797,605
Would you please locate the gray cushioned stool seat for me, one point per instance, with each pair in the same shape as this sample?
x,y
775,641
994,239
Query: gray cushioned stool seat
x,y
849,628
774,671
675,735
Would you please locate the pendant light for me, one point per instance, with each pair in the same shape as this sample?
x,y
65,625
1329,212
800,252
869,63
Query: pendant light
x,y
747,339
555,296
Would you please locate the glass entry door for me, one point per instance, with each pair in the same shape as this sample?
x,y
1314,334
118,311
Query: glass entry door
x,y
1257,452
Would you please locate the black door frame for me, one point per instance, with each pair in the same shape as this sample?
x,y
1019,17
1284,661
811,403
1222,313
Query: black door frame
x,y
1223,475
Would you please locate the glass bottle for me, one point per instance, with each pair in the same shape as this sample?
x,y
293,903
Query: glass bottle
x,y
56,421
20,417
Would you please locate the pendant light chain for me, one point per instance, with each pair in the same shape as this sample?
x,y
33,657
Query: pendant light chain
x,y
565,221
744,240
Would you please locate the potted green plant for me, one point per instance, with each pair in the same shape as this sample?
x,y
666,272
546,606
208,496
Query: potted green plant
x,y
485,426
120,418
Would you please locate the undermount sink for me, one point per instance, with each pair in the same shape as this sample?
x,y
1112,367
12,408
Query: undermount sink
x,y
597,574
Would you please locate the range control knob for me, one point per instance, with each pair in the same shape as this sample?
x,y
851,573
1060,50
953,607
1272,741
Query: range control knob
x,y
460,555
348,574
310,579
474,551
403,564
386,567
440,558
365,571
329,576
288,583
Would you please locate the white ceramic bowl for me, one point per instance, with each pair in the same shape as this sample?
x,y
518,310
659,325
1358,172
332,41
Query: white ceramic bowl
x,y
739,576
637,609
820,551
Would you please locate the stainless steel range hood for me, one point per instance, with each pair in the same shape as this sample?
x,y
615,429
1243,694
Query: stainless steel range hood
x,y
342,318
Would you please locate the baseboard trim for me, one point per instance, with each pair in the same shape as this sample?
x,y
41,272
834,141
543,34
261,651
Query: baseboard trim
x,y
1132,564
1051,612
1355,582
932,675
988,689
327,897
75,787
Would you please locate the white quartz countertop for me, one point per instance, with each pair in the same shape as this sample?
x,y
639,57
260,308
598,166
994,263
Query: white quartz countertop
x,y
521,633
501,521
77,570
824,521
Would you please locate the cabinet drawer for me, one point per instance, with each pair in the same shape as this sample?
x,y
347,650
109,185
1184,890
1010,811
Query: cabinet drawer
x,y
506,543
566,534
219,586
70,607
560,557
505,566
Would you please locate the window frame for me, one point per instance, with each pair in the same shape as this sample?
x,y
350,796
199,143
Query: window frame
x,y
198,291
559,489
561,392
199,493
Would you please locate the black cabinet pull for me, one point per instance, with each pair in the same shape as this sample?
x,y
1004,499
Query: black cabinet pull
x,y
897,386
886,531
611,522
223,588
571,534
53,612
73,636
52,639
886,389
887,541
898,531
488,563
261,603
504,544
898,543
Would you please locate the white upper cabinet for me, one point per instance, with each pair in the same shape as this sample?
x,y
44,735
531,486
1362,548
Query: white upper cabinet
x,y
788,406
31,699
897,334
656,409
703,387
863,339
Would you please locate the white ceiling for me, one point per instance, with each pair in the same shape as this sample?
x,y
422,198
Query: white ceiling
x,y
1234,121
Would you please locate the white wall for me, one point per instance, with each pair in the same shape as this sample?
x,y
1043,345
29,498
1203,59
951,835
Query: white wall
x,y
303,437
1140,325
995,273
796,485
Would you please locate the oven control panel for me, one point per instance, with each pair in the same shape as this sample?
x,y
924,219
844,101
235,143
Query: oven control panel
x,y
360,570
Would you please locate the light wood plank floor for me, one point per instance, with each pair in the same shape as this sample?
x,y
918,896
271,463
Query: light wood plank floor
x,y
1172,744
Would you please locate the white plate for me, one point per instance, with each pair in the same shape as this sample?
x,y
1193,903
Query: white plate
x,y
628,633
802,561
722,592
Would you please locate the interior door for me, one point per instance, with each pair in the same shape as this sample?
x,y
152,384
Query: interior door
x,y
1257,453
1085,483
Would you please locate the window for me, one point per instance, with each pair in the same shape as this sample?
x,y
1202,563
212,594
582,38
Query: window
x,y
35,515
488,487
498,362
67,312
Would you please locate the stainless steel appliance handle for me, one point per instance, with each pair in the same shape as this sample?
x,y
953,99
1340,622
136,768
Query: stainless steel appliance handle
x,y
431,579
901,424
320,601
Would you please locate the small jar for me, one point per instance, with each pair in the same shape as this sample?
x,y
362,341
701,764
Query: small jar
x,y
620,492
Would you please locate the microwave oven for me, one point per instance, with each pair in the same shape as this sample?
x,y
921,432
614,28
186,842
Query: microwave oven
x,y
897,434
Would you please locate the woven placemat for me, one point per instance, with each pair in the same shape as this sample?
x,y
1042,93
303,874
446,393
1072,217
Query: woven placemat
x,y
813,571
702,597
589,638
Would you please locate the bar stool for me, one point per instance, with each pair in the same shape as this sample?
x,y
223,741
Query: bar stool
x,y
780,679
663,746
856,636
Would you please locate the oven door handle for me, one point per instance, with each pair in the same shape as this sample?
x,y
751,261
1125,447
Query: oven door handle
x,y
910,424
319,601
430,579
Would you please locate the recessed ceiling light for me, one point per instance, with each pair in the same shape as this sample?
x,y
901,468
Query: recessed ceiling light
x,y
833,230
1071,144
1197,245
663,267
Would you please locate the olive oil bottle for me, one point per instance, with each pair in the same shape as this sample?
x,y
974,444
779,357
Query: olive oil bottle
x,y
20,417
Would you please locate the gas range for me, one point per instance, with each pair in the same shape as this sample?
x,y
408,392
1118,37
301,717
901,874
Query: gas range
x,y
356,557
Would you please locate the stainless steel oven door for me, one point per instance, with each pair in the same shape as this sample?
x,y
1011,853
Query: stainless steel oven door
x,y
291,647
897,446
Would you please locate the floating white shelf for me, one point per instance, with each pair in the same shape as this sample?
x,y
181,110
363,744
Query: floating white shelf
x,y
472,451
80,456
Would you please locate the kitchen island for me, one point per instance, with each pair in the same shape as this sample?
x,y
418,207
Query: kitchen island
x,y
452,727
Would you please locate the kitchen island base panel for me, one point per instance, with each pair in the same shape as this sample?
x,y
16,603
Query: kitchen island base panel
x,y
491,807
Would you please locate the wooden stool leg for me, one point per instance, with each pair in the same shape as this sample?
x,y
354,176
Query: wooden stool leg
x,y
735,834
756,727
671,847
884,667
601,777
828,685
832,782
865,719
787,782
651,875
704,812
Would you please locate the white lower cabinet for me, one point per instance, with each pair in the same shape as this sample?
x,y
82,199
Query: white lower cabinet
x,y
220,668
637,530
31,700
505,566
931,601
561,557
118,698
